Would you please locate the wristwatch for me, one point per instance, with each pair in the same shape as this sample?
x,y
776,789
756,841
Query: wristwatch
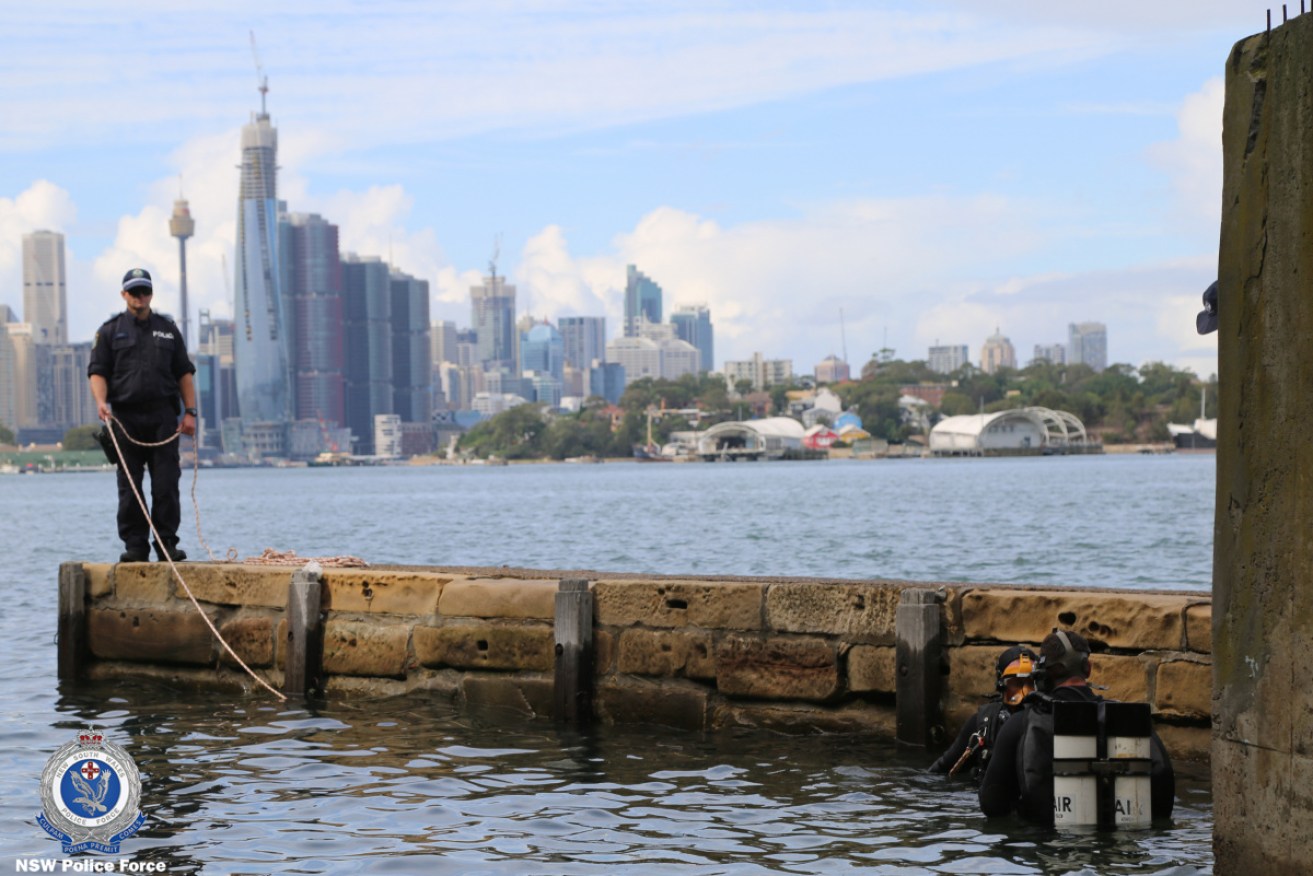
x,y
191,411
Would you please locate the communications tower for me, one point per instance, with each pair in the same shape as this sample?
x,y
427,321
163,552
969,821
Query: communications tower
x,y
182,226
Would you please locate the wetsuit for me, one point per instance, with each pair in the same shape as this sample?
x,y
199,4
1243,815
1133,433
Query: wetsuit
x,y
1004,789
992,716
142,362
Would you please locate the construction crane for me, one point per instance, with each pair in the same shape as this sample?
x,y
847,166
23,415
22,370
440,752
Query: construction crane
x,y
261,79
492,262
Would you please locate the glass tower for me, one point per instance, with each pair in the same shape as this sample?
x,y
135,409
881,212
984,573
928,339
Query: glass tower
x,y
261,342
693,324
642,301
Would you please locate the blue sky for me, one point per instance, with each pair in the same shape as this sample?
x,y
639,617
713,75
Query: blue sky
x,y
932,170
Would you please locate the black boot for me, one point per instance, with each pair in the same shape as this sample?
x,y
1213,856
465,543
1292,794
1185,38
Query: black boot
x,y
176,552
135,553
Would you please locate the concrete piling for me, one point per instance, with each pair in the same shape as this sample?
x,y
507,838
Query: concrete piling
x,y
573,689
918,656
303,671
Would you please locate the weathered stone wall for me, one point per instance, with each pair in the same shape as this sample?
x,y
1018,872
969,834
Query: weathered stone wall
x,y
783,654
1263,554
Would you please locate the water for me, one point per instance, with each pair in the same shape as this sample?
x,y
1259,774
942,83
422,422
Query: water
x,y
236,784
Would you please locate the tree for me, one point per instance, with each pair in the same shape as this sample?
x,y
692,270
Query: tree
x,y
6,436
81,438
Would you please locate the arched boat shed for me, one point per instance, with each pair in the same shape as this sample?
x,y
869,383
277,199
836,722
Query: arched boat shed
x,y
769,438
1018,432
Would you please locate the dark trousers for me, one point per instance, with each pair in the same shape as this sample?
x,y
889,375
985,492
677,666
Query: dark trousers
x,y
148,425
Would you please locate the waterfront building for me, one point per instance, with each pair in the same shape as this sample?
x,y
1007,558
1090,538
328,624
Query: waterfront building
x,y
1087,344
261,342
832,369
312,282
642,301
1020,431
768,438
493,310
997,353
45,287
1054,354
63,393
367,322
947,358
693,324
387,435
759,371
412,349
542,350
584,338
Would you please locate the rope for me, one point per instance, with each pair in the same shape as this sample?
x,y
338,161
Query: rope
x,y
163,549
271,557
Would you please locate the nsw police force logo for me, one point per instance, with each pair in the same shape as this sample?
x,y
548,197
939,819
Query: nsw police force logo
x,y
90,790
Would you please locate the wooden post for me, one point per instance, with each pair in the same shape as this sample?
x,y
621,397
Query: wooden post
x,y
573,700
72,620
303,669
918,655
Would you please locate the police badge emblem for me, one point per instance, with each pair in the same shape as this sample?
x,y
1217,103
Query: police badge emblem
x,y
90,791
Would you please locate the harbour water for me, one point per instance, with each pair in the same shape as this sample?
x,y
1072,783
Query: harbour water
x,y
240,784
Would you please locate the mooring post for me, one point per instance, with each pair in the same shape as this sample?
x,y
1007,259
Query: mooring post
x,y
918,654
573,693
72,620
305,631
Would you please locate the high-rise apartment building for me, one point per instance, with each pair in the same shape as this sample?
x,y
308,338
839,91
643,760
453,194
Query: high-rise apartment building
x,y
642,301
1087,344
367,294
260,310
412,349
947,358
832,369
761,372
45,288
584,338
493,311
1054,354
693,324
997,353
312,282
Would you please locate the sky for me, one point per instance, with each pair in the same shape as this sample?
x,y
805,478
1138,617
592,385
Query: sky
x,y
827,177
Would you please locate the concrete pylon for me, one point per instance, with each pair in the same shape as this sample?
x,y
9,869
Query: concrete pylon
x,y
1263,547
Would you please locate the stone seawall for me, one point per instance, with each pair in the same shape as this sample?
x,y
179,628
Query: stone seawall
x,y
792,655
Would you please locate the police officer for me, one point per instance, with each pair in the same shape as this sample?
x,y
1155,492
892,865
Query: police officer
x,y
140,369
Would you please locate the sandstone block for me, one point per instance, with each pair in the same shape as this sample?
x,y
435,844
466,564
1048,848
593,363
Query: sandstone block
x,y
150,635
796,718
144,584
526,696
1184,742
1185,688
666,653
486,646
235,584
860,612
1126,678
98,579
711,605
872,669
972,671
604,652
499,597
1199,628
777,669
664,704
251,638
383,592
1119,620
361,648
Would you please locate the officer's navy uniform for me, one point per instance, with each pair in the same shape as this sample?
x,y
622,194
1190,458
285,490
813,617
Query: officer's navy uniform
x,y
142,362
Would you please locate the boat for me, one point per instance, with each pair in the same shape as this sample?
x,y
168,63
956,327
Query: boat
x,y
586,459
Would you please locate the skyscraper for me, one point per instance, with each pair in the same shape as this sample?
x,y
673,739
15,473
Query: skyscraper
x,y
542,350
1087,344
261,343
642,301
997,353
947,358
444,342
493,306
45,293
368,292
693,324
584,338
312,282
412,349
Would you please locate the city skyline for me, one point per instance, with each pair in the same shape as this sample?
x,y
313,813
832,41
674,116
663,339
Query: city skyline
x,y
1061,165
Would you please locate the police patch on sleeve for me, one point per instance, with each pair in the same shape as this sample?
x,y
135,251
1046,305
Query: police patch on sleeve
x,y
90,795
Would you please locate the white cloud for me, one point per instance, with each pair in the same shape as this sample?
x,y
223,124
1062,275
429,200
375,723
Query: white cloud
x,y
1193,160
41,206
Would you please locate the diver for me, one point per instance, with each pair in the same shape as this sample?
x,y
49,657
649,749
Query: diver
x,y
1019,775
974,742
